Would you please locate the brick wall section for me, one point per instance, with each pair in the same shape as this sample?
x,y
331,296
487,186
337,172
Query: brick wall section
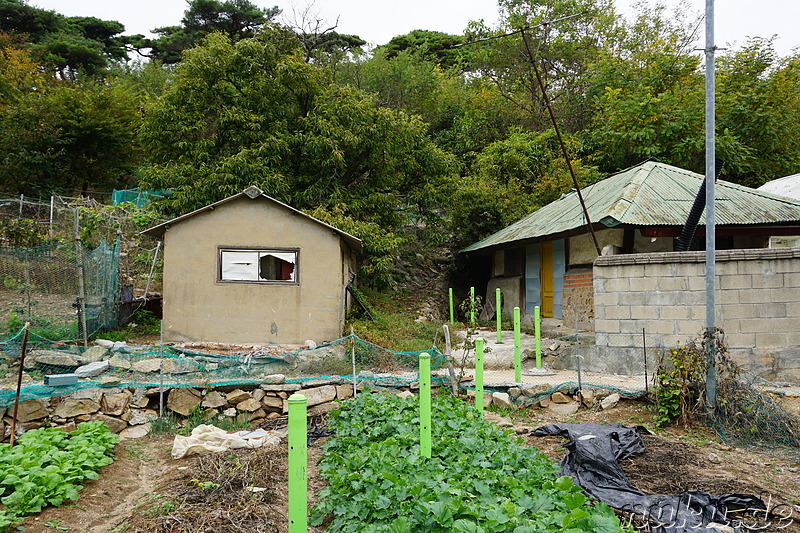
x,y
757,300
579,298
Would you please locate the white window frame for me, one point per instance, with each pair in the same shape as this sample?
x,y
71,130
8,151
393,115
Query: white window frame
x,y
237,264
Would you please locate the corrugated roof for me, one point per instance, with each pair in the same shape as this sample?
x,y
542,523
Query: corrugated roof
x,y
252,193
649,194
788,186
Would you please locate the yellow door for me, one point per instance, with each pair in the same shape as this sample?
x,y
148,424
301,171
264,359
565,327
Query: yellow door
x,y
546,274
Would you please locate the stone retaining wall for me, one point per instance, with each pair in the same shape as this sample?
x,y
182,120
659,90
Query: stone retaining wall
x,y
757,306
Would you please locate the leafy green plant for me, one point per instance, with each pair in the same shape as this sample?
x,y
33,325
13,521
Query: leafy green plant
x,y
477,479
48,467
680,380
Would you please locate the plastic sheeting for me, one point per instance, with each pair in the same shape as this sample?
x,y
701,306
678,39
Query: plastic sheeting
x,y
592,460
206,439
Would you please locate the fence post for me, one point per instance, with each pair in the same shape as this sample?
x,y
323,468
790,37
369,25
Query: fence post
x,y
498,300
517,355
425,405
81,285
452,316
537,320
472,307
298,459
479,375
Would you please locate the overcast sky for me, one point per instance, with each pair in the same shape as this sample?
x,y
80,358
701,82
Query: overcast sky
x,y
377,21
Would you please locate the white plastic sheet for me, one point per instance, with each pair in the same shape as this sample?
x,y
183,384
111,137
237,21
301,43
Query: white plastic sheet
x,y
206,439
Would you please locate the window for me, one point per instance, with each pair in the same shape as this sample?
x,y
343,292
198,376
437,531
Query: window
x,y
259,266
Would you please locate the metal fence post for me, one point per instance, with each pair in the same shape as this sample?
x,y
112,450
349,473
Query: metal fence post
x,y
479,375
425,405
517,355
498,300
298,463
537,325
452,316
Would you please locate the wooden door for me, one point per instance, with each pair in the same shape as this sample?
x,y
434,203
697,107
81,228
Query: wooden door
x,y
546,273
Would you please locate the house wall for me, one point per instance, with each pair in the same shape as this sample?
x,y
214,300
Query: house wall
x,y
758,308
533,285
579,298
197,307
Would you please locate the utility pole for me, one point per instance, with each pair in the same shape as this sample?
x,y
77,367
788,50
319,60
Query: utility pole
x,y
711,245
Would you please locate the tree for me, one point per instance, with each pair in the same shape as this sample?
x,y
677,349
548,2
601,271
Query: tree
x,y
68,138
68,45
438,47
254,112
237,19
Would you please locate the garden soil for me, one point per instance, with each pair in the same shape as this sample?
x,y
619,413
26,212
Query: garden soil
x,y
145,490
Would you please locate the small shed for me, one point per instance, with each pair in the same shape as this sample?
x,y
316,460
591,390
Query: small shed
x,y
250,269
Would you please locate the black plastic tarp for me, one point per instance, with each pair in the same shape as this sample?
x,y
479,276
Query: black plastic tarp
x,y
593,455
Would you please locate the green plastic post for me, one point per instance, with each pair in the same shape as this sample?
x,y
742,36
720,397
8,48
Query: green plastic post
x,y
298,461
538,331
517,359
452,316
479,375
472,307
498,301
425,405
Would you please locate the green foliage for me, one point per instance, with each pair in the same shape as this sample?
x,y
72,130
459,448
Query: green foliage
x,y
23,233
680,381
478,478
48,467
142,323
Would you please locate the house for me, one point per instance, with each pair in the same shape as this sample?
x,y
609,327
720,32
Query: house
x,y
788,186
250,269
547,258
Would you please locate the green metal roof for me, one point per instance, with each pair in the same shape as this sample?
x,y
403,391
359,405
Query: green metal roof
x,y
649,194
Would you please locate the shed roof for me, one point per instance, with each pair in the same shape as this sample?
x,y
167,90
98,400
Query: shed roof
x,y
788,186
648,194
252,193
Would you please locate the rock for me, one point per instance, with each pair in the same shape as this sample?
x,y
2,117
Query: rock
x,y
135,432
610,401
721,528
274,379
230,412
210,413
182,401
236,396
502,399
142,417
318,395
92,369
258,413
272,403
93,393
114,424
545,402
344,392
319,382
501,421
282,387
323,408
560,397
57,359
529,389
273,415
140,401
250,405
515,392
405,394
93,355
104,343
122,361
310,344
147,366
213,399
83,418
28,410
76,408
258,394
714,459
177,365
587,398
553,347
115,404
564,409
68,427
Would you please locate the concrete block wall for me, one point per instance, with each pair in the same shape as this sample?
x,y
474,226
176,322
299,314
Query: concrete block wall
x,y
757,306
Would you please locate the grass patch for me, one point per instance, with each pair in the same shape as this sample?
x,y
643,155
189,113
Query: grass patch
x,y
394,325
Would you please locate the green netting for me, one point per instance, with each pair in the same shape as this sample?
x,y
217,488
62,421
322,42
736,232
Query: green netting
x,y
347,360
137,196
41,285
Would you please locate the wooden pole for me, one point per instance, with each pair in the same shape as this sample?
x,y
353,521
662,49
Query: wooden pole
x,y
19,381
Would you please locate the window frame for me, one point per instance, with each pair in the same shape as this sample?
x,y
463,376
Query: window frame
x,y
259,250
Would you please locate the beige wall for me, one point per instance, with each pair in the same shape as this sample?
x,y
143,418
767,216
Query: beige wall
x,y
197,307
757,306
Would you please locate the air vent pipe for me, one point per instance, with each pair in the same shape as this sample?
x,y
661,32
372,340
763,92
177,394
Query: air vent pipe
x,y
687,233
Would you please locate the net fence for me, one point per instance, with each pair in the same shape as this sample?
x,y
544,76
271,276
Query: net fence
x,y
349,360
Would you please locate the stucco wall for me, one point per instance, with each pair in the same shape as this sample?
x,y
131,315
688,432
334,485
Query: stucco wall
x,y
757,306
198,307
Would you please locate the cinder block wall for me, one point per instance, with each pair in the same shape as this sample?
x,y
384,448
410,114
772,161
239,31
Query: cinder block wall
x,y
757,306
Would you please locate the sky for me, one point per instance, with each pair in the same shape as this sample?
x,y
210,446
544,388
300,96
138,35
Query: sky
x,y
377,21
